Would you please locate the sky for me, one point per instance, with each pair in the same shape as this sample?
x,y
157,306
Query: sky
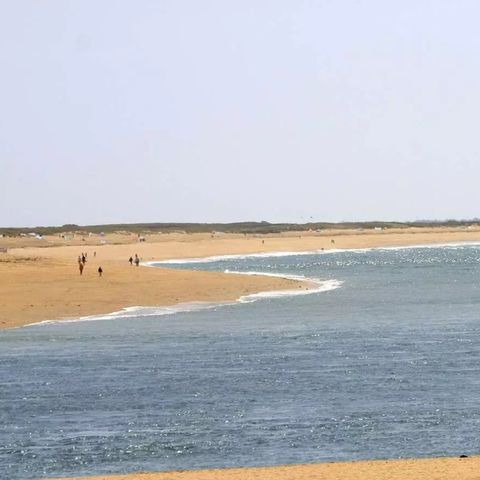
x,y
219,111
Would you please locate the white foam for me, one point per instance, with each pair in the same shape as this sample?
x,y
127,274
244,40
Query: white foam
x,y
140,312
315,285
217,258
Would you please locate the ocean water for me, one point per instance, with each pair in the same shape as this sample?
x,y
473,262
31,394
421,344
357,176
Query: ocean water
x,y
383,361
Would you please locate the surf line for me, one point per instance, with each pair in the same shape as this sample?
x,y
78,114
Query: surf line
x,y
312,285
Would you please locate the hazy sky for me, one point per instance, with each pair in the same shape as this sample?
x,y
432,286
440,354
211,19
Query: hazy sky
x,y
135,111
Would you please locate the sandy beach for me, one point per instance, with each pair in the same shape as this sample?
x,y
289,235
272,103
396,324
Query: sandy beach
x,y
432,469
40,279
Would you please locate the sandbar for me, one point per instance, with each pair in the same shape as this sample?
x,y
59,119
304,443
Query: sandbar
x,y
39,279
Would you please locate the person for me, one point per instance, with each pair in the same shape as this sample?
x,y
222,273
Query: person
x,y
130,260
83,258
79,259
137,260
80,267
95,254
100,271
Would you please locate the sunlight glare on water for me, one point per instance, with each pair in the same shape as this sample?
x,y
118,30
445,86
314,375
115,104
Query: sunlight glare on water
x,y
386,366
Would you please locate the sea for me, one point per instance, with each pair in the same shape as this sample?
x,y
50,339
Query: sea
x,y
380,360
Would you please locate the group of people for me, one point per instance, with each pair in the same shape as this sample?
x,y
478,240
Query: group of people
x,y
82,260
136,260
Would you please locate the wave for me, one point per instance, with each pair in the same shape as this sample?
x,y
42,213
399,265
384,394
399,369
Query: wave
x,y
315,285
129,312
218,258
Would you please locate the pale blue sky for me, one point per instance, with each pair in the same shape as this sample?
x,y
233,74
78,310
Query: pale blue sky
x,y
135,111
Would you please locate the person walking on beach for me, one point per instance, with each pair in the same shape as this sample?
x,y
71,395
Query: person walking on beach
x,y
80,267
131,261
84,260
79,259
137,260
100,271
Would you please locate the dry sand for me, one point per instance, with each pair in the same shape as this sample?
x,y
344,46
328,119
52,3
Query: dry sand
x,y
424,469
43,283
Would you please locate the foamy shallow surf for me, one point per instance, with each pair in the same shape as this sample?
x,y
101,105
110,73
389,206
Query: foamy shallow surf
x,y
315,285
139,311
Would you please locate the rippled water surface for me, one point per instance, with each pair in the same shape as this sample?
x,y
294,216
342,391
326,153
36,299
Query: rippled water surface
x,y
387,365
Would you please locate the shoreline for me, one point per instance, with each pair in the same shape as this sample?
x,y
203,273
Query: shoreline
x,y
42,282
311,285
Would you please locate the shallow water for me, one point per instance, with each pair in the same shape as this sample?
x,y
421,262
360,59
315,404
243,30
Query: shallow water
x,y
386,366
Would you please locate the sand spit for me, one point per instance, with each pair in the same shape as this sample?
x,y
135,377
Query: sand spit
x,y
43,283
